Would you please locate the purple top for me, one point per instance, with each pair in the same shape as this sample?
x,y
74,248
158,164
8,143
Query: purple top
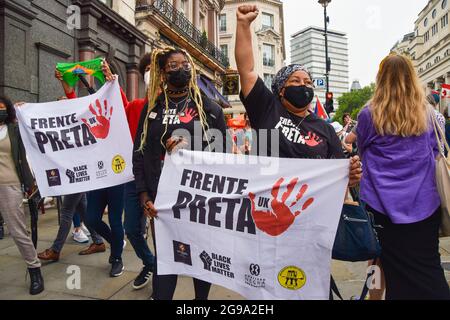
x,y
399,174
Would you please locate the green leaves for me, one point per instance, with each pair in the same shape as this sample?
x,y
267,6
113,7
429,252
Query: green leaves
x,y
352,102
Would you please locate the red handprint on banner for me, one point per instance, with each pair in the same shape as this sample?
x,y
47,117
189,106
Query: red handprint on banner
x,y
188,116
314,140
101,129
276,221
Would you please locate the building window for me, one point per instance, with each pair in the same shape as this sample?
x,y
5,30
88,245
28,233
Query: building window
x,y
426,36
444,4
428,65
425,23
434,14
267,21
184,7
268,55
107,2
268,79
444,21
224,49
434,30
202,22
223,23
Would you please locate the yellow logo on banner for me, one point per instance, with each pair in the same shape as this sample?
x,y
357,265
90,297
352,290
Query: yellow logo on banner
x,y
292,278
118,164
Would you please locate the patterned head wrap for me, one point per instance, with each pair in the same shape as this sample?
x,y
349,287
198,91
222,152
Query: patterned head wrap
x,y
283,75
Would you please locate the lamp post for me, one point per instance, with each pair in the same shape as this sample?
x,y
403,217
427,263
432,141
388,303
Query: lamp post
x,y
325,4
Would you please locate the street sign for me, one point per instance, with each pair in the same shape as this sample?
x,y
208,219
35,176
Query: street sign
x,y
320,83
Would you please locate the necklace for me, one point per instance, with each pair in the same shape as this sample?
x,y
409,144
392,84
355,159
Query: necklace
x,y
186,101
301,121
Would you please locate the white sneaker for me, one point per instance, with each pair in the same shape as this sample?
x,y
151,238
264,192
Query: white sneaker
x,y
80,237
85,230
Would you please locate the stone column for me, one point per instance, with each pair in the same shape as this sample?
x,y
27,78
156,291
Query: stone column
x,y
132,81
86,52
196,21
212,25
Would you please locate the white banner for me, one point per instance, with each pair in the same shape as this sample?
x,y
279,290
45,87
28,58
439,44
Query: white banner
x,y
78,145
265,236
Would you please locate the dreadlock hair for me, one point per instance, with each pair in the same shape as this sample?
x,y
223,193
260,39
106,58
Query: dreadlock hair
x,y
158,61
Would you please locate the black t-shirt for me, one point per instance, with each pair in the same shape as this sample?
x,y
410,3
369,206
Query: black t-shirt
x,y
147,163
182,118
309,137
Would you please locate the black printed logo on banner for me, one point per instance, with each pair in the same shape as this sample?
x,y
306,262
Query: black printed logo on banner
x,y
102,171
182,253
217,263
71,175
255,270
53,178
78,174
207,261
253,279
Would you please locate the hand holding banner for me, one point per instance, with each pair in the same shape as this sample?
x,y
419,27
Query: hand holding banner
x,y
78,145
264,236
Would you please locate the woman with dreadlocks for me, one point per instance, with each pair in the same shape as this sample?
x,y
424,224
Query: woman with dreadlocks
x,y
180,105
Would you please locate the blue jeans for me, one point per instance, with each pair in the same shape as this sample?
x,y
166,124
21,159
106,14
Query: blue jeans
x,y
76,220
112,197
135,225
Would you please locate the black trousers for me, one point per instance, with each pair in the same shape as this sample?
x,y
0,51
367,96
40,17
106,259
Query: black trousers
x,y
164,285
410,259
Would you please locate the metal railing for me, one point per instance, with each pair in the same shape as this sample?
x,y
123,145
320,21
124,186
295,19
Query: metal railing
x,y
175,18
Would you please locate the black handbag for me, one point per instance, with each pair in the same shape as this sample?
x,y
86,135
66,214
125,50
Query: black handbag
x,y
356,237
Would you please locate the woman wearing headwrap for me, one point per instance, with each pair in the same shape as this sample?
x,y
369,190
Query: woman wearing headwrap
x,y
301,133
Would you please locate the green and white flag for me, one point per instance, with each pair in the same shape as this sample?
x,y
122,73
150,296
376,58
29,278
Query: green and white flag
x,y
71,71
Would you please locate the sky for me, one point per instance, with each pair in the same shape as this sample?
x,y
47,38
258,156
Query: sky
x,y
372,26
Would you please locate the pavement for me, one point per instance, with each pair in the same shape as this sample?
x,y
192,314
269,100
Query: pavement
x,y
97,285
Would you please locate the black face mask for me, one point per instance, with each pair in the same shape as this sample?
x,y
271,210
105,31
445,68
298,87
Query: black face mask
x,y
180,78
3,115
299,96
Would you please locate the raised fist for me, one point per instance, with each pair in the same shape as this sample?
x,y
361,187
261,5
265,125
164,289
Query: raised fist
x,y
207,261
247,13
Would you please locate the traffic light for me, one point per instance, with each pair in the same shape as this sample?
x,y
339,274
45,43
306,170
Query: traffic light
x,y
329,103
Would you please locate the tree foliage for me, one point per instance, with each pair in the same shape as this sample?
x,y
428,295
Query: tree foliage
x,y
352,102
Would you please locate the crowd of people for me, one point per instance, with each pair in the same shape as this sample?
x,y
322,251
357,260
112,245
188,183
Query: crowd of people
x,y
391,149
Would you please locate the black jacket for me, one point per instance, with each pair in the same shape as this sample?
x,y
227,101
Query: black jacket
x,y
147,164
19,157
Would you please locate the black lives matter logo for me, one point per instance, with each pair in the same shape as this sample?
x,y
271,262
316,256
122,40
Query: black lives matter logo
x,y
182,253
253,279
78,174
217,263
53,178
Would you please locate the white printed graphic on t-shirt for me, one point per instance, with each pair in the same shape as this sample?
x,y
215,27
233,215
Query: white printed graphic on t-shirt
x,y
173,117
293,134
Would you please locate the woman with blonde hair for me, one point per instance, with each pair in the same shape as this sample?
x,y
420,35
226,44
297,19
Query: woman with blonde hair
x,y
398,149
